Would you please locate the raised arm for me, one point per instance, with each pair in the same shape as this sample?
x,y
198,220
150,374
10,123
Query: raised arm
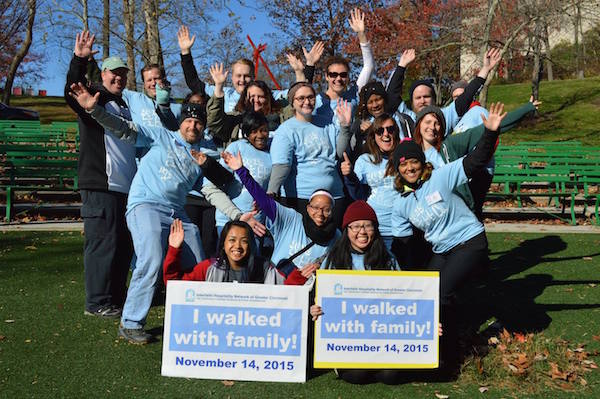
x,y
357,24
480,156
463,102
121,128
344,114
394,88
186,42
263,200
312,57
355,188
77,69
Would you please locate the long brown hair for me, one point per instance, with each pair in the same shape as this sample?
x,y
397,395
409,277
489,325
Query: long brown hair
x,y
244,104
372,147
418,138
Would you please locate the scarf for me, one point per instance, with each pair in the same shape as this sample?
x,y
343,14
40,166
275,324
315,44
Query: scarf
x,y
320,235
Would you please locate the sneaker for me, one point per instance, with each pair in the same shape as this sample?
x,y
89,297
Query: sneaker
x,y
134,335
106,312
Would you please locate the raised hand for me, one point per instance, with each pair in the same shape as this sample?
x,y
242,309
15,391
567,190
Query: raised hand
x,y
84,42
346,166
177,234
492,122
536,103
364,125
83,96
185,41
218,75
313,56
490,60
344,112
199,156
294,62
407,57
357,20
233,161
257,227
315,312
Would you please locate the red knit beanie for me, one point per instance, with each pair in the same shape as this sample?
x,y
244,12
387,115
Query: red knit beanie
x,y
359,210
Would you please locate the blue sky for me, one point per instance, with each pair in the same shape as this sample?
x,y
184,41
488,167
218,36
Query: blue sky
x,y
56,59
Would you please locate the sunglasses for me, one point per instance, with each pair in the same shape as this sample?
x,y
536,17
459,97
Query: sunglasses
x,y
389,129
333,75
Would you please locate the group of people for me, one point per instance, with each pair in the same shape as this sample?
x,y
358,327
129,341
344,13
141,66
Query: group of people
x,y
246,184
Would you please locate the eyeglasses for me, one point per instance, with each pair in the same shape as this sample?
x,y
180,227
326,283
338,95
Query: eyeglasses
x,y
301,99
390,129
355,228
325,211
333,75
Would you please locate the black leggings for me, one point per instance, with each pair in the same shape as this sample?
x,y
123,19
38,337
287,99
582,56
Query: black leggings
x,y
203,215
480,185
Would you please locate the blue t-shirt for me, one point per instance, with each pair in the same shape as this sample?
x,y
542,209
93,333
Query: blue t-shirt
x,y
232,96
382,194
289,236
143,109
435,209
432,155
310,150
358,262
449,112
258,164
471,119
325,107
168,171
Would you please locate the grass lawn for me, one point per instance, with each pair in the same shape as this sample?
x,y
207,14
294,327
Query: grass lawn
x,y
49,349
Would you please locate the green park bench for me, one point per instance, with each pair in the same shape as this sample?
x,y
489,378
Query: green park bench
x,y
34,161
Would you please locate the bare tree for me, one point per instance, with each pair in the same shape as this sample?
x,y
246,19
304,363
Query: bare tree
x,y
23,50
129,22
152,48
106,29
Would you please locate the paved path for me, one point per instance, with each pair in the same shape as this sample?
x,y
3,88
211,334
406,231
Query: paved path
x,y
489,227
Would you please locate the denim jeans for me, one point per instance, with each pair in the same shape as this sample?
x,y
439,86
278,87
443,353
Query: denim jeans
x,y
149,225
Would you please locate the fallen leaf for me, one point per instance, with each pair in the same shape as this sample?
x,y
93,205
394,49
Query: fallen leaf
x,y
227,383
582,381
2,337
31,247
520,337
592,285
495,341
483,389
479,365
441,396
569,289
9,321
27,341
596,337
587,258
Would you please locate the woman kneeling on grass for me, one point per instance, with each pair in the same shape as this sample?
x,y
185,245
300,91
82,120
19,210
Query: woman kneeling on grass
x,y
361,248
236,260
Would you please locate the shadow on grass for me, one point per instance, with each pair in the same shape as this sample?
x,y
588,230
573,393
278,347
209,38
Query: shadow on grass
x,y
512,301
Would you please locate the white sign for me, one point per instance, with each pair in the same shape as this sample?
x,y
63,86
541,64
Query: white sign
x,y
377,319
229,331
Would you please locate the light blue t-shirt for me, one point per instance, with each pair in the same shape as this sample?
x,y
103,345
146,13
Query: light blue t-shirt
x,y
382,190
232,96
311,152
168,171
449,112
471,119
325,107
258,164
432,155
437,210
358,262
289,236
143,109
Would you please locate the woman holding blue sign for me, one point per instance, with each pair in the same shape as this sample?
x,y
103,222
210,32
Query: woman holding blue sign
x,y
428,201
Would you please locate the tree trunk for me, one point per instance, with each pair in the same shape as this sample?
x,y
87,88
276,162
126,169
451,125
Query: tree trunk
x,y
129,18
492,4
578,46
548,52
537,64
153,47
85,16
18,58
106,30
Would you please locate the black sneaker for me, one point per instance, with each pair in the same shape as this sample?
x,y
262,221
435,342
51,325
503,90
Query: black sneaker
x,y
134,335
106,312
